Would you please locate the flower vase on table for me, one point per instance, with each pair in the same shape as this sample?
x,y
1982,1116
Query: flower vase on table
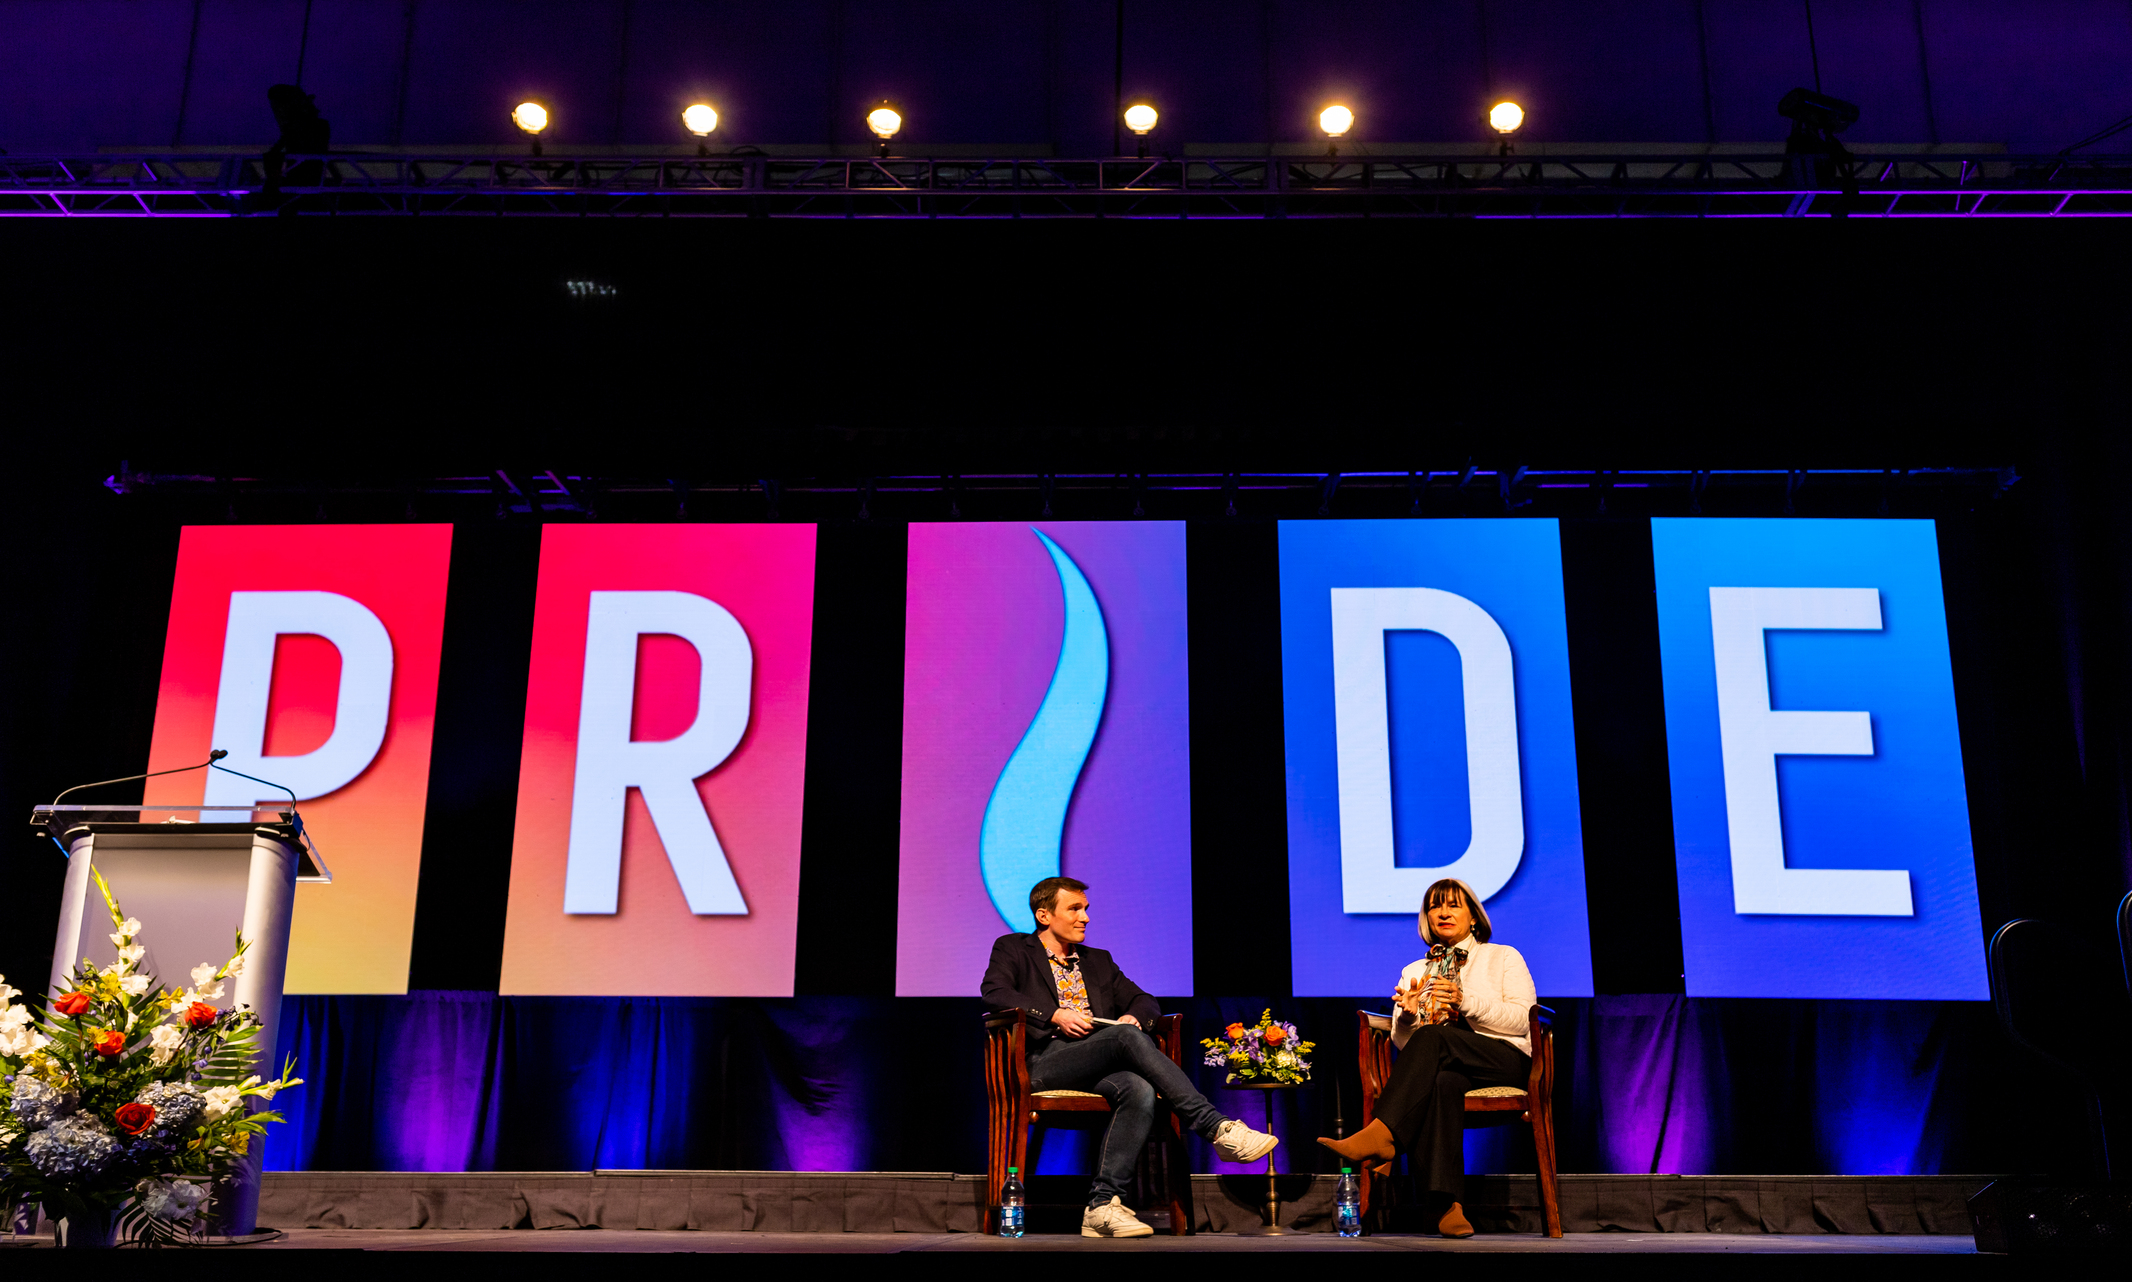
x,y
1267,1056
123,1103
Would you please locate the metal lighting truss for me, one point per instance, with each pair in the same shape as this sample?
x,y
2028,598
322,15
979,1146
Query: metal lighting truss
x,y
1598,186
560,494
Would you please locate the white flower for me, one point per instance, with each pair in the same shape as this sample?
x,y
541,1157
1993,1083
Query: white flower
x,y
115,968
166,1037
133,985
221,1101
15,1017
17,1040
127,929
132,953
7,993
236,966
171,1200
203,973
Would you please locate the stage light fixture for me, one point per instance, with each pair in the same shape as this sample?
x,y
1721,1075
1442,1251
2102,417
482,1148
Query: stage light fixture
x,y
700,118
884,120
1817,111
1141,118
1505,117
1335,120
531,117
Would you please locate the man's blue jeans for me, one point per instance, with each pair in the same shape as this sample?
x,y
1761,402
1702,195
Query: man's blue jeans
x,y
1123,1065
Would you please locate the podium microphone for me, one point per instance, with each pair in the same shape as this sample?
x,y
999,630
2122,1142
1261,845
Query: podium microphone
x,y
219,754
212,757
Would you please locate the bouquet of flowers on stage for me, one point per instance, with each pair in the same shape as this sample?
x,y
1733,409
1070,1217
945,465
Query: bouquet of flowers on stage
x,y
1269,1051
124,1103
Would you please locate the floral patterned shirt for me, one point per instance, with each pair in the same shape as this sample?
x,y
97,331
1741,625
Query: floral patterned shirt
x,y
1072,986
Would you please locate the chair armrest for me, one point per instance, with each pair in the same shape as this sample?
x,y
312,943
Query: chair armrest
x,y
1540,1028
1007,1051
1168,1033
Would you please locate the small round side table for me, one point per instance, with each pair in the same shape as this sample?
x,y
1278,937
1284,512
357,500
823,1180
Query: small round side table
x,y
1270,1212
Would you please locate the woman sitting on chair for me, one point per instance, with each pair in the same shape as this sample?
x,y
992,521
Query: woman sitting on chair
x,y
1461,1023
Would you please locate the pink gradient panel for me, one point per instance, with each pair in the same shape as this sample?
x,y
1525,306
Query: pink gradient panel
x,y
653,945
983,625
355,935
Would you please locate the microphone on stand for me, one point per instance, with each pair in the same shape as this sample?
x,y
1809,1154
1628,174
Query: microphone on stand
x,y
212,757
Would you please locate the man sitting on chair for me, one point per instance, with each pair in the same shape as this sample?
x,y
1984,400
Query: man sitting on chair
x,y
1063,988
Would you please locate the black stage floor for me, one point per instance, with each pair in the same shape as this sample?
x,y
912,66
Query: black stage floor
x,y
657,1242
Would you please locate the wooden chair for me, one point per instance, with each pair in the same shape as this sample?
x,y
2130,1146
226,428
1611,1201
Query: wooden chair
x,y
1014,1108
1487,1106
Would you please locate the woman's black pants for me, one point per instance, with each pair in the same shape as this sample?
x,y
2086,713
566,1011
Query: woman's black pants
x,y
1424,1103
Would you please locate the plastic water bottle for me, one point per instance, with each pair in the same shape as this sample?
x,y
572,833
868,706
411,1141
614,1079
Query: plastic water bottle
x,y
1011,1200
1349,1199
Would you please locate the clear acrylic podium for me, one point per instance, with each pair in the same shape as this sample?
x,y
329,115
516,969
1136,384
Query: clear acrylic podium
x,y
194,877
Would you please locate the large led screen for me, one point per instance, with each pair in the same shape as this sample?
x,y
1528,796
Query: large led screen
x,y
1046,718
1820,823
1425,667
310,653
657,846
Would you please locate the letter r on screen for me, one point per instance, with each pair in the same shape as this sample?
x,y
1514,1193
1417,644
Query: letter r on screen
x,y
665,771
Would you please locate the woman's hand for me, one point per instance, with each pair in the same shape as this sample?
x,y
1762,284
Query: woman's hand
x,y
1446,995
1407,996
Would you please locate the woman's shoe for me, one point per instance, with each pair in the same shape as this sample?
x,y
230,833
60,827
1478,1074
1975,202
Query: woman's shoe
x,y
1371,1144
1454,1224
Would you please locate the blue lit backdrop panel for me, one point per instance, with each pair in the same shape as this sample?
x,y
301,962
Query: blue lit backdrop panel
x,y
1819,816
1425,669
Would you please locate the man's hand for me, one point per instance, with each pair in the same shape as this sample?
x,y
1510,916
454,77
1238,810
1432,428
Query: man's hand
x,y
1073,1023
1127,1019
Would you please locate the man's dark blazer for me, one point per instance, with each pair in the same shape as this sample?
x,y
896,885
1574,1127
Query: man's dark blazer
x,y
1019,977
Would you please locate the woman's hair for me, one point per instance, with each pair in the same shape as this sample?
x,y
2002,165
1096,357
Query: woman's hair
x,y
1451,889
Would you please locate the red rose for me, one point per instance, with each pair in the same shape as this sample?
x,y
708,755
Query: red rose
x,y
1274,1035
1233,1031
200,1015
72,1003
134,1118
108,1042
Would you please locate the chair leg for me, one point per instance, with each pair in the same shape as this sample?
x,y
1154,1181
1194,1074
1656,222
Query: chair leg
x,y
1543,1143
995,1169
1177,1178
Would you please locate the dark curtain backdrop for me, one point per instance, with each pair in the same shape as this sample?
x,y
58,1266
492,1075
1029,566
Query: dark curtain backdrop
x,y
453,1081
1607,344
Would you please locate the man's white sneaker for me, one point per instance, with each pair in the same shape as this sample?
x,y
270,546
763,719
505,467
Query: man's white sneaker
x,y
1112,1220
1237,1142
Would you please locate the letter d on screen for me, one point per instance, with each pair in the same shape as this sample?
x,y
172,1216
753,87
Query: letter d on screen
x,y
609,763
361,707
1370,879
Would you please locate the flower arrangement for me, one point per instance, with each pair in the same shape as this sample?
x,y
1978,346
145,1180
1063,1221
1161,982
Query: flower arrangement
x,y
1268,1051
124,1103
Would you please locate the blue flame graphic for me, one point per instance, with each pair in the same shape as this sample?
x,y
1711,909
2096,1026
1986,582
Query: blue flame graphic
x,y
1026,816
